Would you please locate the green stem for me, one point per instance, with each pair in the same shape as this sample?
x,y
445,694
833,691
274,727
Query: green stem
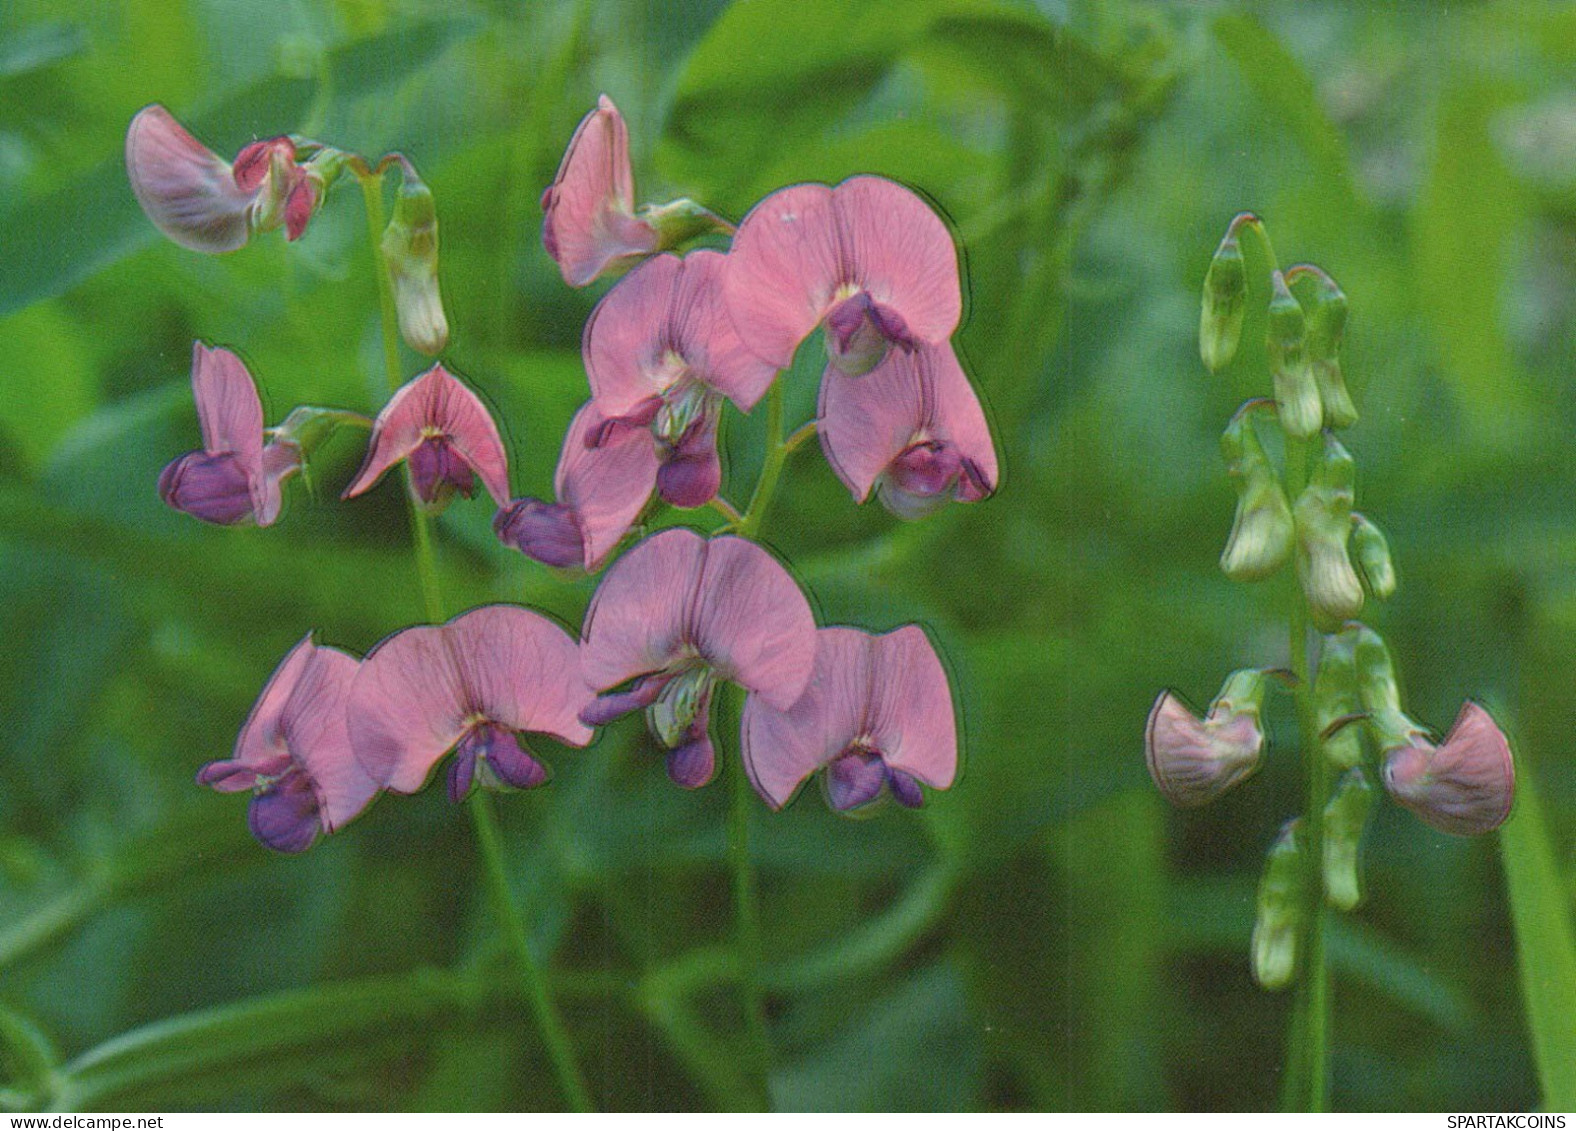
x,y
536,989
746,902
1308,1055
776,456
487,837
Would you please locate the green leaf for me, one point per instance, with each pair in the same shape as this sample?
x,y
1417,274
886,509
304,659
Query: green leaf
x,y
1540,907
39,46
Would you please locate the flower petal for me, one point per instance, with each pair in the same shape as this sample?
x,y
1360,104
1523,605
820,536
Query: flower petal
x,y
783,271
1465,786
589,221
636,623
607,486
911,715
902,254
228,407
185,188
521,670
281,459
439,401
751,621
261,745
315,730
284,816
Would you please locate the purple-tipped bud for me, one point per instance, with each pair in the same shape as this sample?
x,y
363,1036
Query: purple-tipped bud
x,y
284,816
437,471
545,532
859,331
1464,786
214,488
692,765
1193,760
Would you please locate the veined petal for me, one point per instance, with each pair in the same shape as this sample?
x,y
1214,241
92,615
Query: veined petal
x,y
228,407
436,401
751,622
589,219
315,730
607,486
1466,785
522,670
638,620
280,460
186,189
261,745
902,254
783,270
911,716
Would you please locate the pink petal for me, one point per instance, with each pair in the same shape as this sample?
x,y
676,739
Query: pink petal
x,y
902,254
1466,785
280,460
783,271
261,744
606,486
637,621
186,189
911,716
751,621
314,727
228,407
589,221
436,400
419,691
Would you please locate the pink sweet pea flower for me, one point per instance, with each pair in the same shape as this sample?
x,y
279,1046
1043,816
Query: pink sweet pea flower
x,y
590,222
676,615
235,477
472,685
869,258
601,492
447,434
661,351
1193,760
1465,785
912,429
877,714
200,201
294,753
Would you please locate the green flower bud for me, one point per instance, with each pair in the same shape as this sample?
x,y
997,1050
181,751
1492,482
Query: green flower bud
x,y
1326,325
1262,533
1324,524
1281,907
1301,411
1225,303
308,426
1381,697
410,248
1372,552
1344,819
679,221
1335,697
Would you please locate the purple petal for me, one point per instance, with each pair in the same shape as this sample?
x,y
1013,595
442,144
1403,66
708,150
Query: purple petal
x,y
855,779
691,474
692,765
616,704
905,789
437,472
545,532
436,402
284,816
214,488
1464,787
187,190
228,407
589,222
462,772
859,332
511,763
233,777
607,486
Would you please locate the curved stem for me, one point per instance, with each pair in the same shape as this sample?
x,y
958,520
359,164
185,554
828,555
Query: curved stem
x,y
537,993
772,469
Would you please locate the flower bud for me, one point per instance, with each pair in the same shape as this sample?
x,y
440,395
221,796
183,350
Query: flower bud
x,y
410,248
1326,325
1335,697
680,221
1280,909
1376,688
1225,302
1372,553
1324,523
1301,412
1464,786
1194,761
308,427
1262,533
1344,819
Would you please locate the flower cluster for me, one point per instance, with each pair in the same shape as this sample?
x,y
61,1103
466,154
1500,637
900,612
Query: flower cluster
x,y
682,334
1342,674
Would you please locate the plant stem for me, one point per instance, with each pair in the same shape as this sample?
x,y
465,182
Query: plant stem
x,y
776,455
1308,1049
488,840
746,902
536,989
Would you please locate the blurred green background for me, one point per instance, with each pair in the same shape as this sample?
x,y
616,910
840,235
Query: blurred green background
x,y
1047,934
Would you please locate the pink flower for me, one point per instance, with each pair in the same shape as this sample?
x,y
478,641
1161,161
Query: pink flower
x,y
472,685
912,429
589,222
601,492
1193,760
868,258
200,201
661,352
235,477
1465,785
446,433
294,754
676,615
877,714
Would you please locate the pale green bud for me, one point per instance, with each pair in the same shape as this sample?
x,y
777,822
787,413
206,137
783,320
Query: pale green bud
x,y
1262,532
1344,819
410,248
1380,695
1280,910
679,221
1225,303
1335,697
1301,411
1372,553
1324,524
1326,324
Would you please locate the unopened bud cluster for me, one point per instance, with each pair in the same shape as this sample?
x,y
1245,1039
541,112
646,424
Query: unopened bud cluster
x,y
1303,511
